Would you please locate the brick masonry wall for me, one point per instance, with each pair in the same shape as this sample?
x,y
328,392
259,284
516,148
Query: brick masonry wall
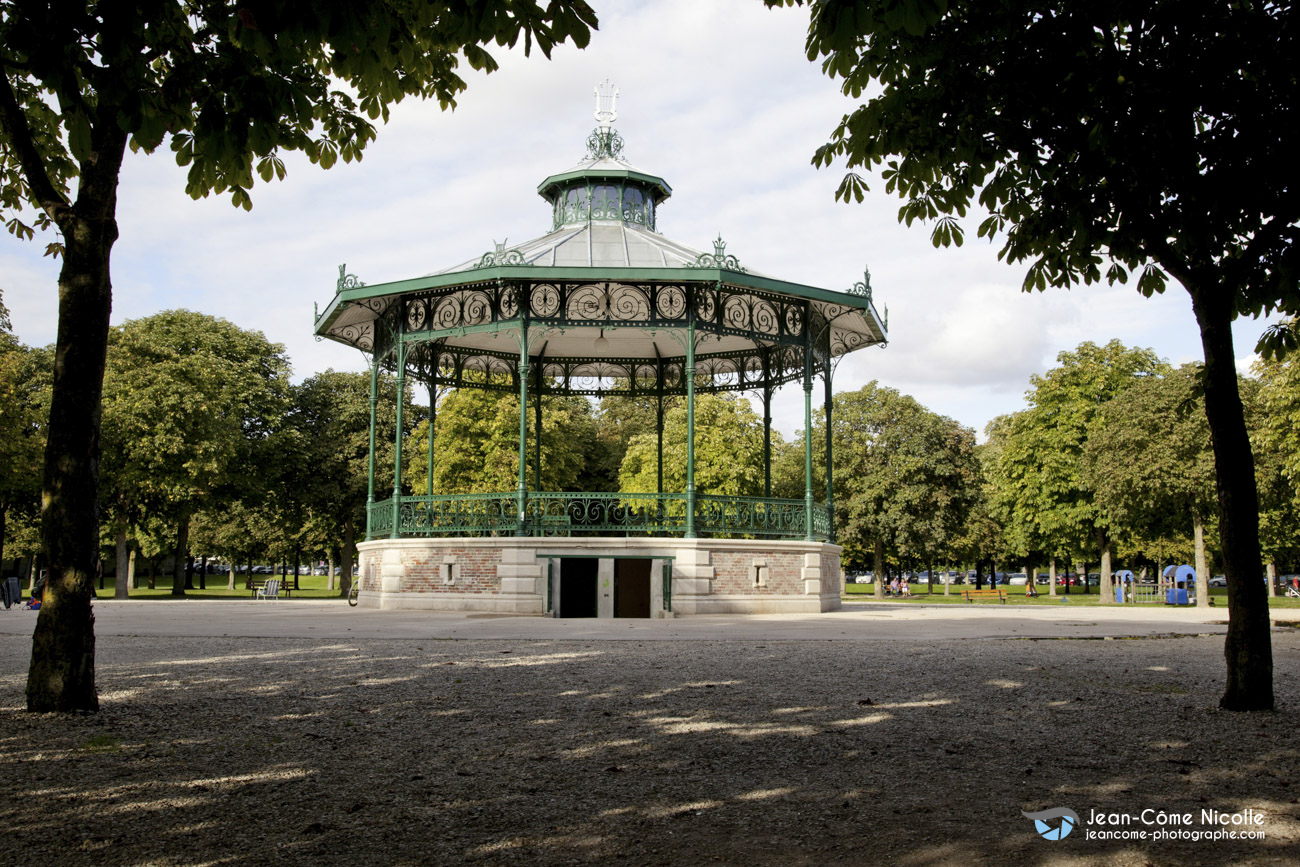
x,y
477,572
731,572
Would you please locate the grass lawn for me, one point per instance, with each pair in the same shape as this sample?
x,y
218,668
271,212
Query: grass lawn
x,y
921,594
313,587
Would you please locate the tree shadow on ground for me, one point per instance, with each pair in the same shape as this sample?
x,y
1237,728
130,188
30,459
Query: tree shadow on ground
x,y
213,751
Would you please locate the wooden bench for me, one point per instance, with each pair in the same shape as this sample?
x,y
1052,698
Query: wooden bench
x,y
991,593
286,584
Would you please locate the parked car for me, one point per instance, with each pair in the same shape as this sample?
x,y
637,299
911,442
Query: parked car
x,y
1219,581
1018,579
1043,578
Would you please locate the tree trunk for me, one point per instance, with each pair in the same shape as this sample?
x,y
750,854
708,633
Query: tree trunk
x,y
1248,648
1202,573
121,587
203,573
1051,578
1107,585
153,572
346,555
230,576
61,676
329,568
947,580
1272,578
130,569
297,564
179,570
878,564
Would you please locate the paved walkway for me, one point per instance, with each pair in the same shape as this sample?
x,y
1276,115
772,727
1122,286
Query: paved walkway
x,y
857,621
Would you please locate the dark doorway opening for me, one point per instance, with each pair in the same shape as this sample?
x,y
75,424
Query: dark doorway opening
x,y
631,588
578,587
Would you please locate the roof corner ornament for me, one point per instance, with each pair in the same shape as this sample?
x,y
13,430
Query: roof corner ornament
x,y
718,259
863,288
346,280
604,141
499,255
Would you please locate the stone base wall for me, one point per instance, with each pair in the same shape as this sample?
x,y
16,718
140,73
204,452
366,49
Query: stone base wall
x,y
508,574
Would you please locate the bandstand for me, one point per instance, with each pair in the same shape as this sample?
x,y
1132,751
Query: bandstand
x,y
602,305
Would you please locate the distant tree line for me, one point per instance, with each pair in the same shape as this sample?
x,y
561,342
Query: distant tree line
x,y
210,450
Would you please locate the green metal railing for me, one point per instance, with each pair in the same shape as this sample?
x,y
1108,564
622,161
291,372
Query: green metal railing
x,y
601,514
595,514
380,519
753,516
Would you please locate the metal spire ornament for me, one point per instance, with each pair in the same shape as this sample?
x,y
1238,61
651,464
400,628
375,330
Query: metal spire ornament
x,y
604,142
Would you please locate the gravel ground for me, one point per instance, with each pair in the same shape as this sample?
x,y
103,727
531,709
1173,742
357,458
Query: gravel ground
x,y
322,752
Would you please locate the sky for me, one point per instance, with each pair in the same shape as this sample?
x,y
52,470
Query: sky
x,y
716,97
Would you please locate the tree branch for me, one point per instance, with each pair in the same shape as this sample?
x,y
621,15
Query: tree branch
x,y
43,191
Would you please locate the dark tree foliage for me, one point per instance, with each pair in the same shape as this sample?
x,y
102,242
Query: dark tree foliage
x,y
230,86
1153,139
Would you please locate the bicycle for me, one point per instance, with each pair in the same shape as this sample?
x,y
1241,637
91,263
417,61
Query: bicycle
x,y
354,592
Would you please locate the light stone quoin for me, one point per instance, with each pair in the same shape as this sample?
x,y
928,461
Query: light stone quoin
x,y
602,304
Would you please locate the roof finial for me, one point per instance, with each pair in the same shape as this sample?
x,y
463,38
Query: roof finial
x,y
606,98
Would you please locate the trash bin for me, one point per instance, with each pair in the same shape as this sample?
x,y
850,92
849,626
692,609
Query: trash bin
x,y
11,589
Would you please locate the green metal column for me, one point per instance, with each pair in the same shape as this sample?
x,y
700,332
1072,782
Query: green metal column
x,y
397,452
767,440
433,418
690,426
374,400
809,505
521,494
537,430
830,454
659,450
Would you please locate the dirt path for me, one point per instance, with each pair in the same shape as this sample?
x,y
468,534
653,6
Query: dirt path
x,y
310,751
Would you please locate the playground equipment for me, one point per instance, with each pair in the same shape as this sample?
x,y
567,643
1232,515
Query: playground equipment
x,y
1181,579
1123,581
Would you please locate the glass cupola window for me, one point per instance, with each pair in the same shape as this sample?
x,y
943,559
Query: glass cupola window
x,y
612,202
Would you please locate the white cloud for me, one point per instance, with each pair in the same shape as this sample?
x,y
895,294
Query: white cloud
x,y
719,99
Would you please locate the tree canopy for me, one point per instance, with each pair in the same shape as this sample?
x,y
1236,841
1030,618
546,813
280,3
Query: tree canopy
x,y
229,87
1042,489
906,477
1101,141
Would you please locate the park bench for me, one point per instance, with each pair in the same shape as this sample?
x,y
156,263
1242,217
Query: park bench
x,y
286,585
991,593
